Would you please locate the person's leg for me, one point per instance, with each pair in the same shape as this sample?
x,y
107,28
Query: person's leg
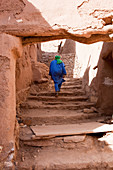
x,y
59,85
56,89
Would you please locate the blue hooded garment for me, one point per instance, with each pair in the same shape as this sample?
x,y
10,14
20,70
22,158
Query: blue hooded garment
x,y
57,71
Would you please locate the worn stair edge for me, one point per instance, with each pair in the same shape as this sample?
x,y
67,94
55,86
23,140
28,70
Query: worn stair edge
x,y
72,83
47,117
59,98
81,163
72,87
59,106
55,119
72,80
62,93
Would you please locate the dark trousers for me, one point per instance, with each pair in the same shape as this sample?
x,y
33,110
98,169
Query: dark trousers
x,y
57,86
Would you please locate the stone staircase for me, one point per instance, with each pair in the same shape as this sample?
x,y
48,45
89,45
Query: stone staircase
x,y
60,147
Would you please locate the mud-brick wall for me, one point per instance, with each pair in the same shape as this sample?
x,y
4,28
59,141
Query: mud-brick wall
x,y
68,60
24,73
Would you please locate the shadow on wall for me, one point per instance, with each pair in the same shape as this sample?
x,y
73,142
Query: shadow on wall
x,y
101,86
105,79
85,81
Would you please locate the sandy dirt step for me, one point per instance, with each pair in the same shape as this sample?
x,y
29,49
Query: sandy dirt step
x,y
59,98
86,154
71,87
73,79
72,83
62,93
47,117
30,104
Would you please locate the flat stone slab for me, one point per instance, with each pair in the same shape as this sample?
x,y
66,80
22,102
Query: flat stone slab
x,y
71,129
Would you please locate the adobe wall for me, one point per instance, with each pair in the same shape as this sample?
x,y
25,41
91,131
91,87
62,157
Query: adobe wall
x,y
105,79
28,71
69,47
96,68
10,49
24,74
16,76
87,57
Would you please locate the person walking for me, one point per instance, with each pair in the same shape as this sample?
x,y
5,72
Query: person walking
x,y
57,72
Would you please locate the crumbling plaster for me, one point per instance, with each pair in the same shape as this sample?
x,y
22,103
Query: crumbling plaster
x,y
84,21
10,49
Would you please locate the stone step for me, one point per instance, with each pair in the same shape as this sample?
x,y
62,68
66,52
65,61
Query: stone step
x,y
30,104
50,131
28,137
62,93
89,154
66,83
59,98
73,79
78,152
47,117
54,132
72,87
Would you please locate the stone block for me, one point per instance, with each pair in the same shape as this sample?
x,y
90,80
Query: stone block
x,y
93,99
74,139
88,110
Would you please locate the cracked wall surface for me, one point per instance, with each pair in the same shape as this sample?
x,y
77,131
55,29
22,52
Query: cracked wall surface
x,y
86,21
9,46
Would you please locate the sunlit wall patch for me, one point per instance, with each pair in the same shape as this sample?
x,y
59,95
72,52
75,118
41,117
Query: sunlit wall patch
x,y
108,81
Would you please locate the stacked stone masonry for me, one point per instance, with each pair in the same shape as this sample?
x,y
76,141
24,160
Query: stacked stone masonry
x,y
68,59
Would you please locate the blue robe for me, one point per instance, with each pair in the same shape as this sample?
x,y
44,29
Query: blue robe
x,y
56,72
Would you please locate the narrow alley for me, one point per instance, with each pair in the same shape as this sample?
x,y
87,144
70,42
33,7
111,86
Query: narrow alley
x,y
74,129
